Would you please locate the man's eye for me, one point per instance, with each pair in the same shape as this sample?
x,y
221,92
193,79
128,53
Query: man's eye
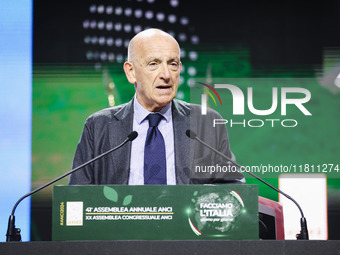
x,y
174,65
152,65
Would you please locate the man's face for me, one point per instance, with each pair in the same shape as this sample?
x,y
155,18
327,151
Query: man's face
x,y
157,69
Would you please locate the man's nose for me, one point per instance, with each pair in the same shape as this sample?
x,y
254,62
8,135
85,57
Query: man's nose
x,y
165,72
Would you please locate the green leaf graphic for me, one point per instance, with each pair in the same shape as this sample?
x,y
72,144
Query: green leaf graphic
x,y
110,194
127,200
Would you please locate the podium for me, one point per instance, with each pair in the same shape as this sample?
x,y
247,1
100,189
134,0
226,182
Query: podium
x,y
155,212
271,219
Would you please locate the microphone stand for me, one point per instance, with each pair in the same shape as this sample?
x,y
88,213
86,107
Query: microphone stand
x,y
13,233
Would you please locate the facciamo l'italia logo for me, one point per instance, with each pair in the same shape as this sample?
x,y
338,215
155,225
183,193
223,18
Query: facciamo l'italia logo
x,y
215,213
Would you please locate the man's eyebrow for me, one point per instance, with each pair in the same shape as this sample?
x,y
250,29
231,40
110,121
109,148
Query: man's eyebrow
x,y
158,60
154,59
173,59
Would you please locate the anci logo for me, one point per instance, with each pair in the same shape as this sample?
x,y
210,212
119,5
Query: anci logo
x,y
238,106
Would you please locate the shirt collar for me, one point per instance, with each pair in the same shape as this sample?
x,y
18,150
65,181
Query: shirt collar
x,y
140,113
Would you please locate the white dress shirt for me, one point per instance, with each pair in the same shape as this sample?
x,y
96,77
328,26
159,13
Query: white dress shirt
x,y
141,125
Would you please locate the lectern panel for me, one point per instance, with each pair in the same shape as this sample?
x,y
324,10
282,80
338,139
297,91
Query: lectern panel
x,y
155,212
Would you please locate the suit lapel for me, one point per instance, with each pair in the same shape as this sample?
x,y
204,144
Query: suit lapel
x,y
181,123
119,129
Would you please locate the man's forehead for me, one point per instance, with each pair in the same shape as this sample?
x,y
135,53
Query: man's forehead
x,y
162,58
159,51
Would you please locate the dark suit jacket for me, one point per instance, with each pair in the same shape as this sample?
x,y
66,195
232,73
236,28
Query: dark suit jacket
x,y
110,127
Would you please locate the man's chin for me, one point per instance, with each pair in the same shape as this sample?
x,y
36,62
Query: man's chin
x,y
162,103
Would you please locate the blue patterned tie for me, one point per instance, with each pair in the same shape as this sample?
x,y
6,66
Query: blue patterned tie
x,y
154,153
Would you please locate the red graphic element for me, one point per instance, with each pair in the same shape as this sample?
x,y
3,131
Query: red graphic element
x,y
195,227
211,88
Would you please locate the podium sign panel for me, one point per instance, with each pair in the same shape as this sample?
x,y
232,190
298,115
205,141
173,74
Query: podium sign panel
x,y
155,212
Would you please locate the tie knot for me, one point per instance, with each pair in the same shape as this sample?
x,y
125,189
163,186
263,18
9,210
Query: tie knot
x,y
154,119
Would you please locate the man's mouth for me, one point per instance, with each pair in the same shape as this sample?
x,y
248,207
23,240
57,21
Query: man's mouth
x,y
163,87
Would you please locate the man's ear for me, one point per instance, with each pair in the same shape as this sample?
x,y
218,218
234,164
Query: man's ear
x,y
129,72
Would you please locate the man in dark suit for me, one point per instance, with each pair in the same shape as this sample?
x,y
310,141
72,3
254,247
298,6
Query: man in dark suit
x,y
153,67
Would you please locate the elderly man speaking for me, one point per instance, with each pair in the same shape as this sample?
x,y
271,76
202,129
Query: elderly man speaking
x,y
162,153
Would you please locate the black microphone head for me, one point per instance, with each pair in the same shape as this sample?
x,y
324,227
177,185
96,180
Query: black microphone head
x,y
132,136
191,134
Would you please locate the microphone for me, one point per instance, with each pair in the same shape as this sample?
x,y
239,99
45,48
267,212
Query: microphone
x,y
303,235
13,233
